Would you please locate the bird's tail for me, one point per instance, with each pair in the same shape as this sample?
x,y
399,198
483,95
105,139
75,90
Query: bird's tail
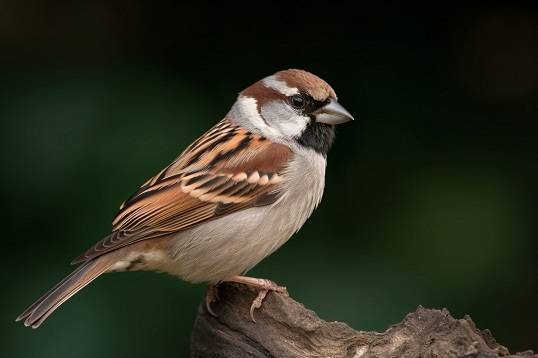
x,y
34,315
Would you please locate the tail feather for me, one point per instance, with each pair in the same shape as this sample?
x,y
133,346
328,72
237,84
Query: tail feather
x,y
30,309
35,314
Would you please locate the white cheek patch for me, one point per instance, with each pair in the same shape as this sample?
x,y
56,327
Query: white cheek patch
x,y
248,108
284,119
280,86
245,112
277,121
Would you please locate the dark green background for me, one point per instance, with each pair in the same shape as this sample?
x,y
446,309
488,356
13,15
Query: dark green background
x,y
431,194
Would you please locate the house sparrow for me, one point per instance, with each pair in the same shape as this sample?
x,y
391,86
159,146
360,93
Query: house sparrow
x,y
229,200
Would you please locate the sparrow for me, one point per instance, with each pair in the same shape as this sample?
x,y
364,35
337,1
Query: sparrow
x,y
232,198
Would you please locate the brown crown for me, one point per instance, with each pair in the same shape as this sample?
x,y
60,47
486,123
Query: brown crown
x,y
307,82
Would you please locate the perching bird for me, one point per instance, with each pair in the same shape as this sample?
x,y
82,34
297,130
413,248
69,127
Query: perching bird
x,y
232,198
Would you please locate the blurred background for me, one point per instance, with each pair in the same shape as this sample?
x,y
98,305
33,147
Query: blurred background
x,y
431,195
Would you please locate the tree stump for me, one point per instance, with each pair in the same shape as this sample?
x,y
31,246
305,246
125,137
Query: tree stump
x,y
285,328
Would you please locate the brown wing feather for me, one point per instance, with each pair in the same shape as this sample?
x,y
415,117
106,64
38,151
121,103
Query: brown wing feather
x,y
226,170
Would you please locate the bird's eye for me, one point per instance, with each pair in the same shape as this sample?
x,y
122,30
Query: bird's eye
x,y
298,101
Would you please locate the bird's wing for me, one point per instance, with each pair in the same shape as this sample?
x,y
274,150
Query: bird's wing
x,y
226,170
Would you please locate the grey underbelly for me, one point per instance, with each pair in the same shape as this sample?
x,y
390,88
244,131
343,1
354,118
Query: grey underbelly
x,y
230,245
218,249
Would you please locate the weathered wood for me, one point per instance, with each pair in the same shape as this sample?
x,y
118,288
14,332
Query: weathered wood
x,y
285,328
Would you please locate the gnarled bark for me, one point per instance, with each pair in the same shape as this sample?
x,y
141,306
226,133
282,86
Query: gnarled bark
x,y
285,328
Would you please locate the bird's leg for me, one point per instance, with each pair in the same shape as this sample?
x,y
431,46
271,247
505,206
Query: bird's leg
x,y
211,295
264,287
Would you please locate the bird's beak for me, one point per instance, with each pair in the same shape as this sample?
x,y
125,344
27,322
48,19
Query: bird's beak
x,y
333,113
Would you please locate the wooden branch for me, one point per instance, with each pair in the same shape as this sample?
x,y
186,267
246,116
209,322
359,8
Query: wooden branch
x,y
285,328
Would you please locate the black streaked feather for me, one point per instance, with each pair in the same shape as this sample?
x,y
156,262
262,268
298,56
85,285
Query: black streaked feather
x,y
214,183
267,198
200,152
195,179
224,155
235,188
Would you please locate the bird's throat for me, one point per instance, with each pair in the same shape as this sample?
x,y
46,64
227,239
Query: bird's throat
x,y
317,136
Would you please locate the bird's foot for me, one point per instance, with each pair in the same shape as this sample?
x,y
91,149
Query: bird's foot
x,y
263,285
211,295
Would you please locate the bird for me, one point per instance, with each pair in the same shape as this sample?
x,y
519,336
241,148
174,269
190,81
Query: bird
x,y
229,200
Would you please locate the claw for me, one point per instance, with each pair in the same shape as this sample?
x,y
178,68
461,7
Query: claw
x,y
264,286
257,303
212,295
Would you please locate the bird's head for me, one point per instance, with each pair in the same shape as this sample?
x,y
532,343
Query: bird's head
x,y
292,107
